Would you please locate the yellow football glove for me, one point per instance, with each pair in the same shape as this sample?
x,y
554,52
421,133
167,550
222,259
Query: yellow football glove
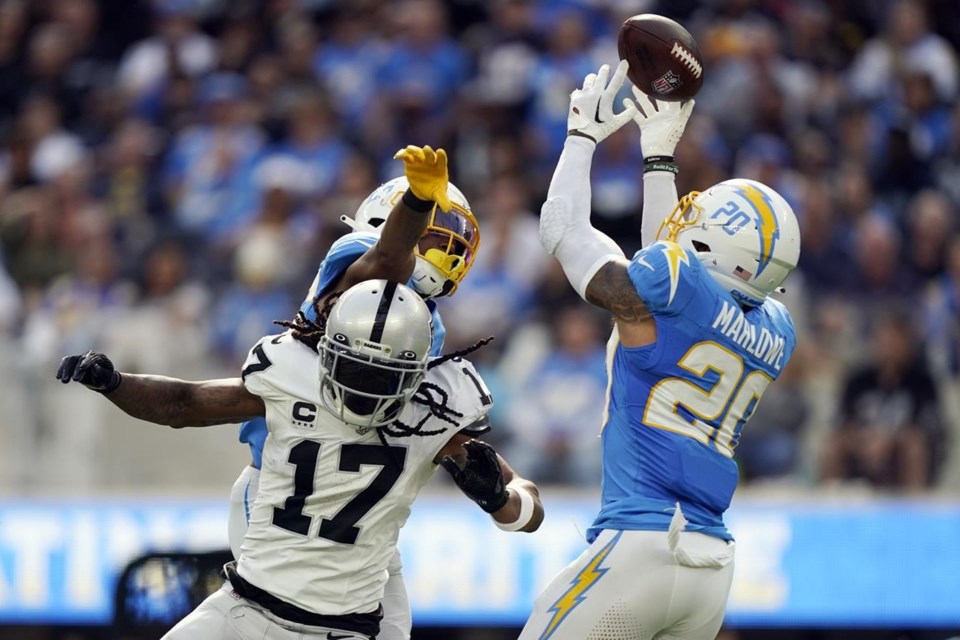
x,y
426,171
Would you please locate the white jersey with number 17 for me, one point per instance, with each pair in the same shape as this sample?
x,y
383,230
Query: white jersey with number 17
x,y
331,502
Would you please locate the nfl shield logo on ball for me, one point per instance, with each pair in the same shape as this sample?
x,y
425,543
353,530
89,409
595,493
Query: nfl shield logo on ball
x,y
666,83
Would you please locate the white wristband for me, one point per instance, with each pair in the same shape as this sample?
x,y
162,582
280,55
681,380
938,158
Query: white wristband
x,y
526,509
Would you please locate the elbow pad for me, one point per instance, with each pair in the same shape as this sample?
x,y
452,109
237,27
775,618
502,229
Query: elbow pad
x,y
555,221
580,248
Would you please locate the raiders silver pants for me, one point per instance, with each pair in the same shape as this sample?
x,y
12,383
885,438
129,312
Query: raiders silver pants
x,y
227,616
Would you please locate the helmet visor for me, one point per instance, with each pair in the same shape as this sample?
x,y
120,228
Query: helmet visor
x,y
450,241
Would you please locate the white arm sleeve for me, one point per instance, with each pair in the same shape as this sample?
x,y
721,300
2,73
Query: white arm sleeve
x,y
659,199
565,229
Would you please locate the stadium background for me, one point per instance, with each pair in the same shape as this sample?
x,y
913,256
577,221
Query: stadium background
x,y
172,171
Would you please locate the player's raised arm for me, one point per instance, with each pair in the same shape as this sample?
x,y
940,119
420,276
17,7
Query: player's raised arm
x,y
392,257
594,264
565,229
661,125
162,400
486,478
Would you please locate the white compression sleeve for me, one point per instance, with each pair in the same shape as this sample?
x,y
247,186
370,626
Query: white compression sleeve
x,y
659,199
565,229
242,495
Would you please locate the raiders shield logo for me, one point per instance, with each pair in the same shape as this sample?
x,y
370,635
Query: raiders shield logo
x,y
666,83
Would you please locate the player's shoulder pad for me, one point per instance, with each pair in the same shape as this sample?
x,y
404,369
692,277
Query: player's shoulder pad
x,y
458,384
343,252
355,242
780,317
664,275
274,359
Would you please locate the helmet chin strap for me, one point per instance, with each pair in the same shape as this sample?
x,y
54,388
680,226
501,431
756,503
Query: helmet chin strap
x,y
429,281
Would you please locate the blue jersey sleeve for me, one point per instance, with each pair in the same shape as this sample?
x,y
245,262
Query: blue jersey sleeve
x,y
343,253
665,277
783,325
439,331
254,433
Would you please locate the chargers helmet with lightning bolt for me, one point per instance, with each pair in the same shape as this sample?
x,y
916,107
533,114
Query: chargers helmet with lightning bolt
x,y
743,232
455,234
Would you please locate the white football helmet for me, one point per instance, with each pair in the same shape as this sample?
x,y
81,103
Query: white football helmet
x,y
438,271
373,354
744,233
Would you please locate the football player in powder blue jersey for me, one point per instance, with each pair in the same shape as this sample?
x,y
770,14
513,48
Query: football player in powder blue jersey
x,y
417,228
696,341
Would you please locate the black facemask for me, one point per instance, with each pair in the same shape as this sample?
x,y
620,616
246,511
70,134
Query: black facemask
x,y
367,379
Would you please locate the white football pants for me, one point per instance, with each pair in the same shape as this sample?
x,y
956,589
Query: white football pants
x,y
396,621
638,585
226,616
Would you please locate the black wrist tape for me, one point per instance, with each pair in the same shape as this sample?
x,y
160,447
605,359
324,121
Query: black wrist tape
x,y
415,203
660,163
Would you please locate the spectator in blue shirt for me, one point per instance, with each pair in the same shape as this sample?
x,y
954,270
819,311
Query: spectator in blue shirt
x,y
206,159
345,63
558,72
557,415
422,73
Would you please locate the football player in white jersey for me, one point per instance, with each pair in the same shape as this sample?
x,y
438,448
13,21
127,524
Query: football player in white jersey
x,y
444,237
349,450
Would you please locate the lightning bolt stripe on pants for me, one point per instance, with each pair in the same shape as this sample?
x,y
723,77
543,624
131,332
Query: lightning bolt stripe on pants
x,y
581,583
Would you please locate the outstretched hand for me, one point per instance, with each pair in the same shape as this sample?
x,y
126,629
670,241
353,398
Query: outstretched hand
x,y
93,370
481,477
591,106
426,171
661,123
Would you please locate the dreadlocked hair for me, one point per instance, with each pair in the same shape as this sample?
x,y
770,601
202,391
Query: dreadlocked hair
x,y
435,398
479,344
306,330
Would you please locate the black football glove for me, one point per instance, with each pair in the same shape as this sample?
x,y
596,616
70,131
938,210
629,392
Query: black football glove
x,y
93,370
481,478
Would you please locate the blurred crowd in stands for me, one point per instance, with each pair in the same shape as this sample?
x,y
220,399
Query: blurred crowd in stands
x,y
172,172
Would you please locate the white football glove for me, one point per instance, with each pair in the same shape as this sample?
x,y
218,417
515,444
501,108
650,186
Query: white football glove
x,y
591,107
661,123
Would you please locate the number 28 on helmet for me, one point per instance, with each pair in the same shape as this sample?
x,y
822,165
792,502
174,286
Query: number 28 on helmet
x,y
743,232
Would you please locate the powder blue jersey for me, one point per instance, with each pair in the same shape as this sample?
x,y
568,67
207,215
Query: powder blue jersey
x,y
676,408
343,253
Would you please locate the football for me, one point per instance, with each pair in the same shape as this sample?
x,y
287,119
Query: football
x,y
664,59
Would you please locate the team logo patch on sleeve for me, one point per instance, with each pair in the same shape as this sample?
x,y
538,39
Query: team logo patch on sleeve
x,y
675,255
